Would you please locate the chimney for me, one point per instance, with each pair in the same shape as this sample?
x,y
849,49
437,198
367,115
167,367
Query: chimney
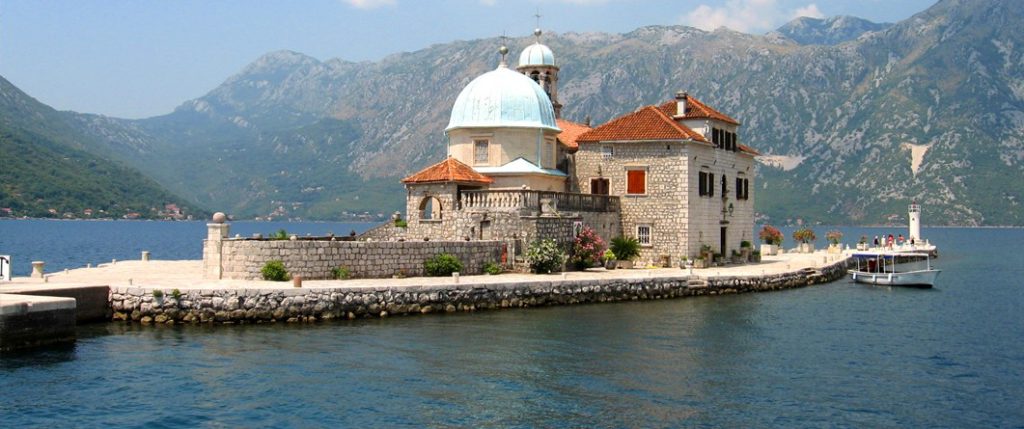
x,y
586,121
681,103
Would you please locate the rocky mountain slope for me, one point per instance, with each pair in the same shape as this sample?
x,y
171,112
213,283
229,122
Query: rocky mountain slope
x,y
45,171
829,31
929,109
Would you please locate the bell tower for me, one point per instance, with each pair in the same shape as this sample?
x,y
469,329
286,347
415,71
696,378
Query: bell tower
x,y
538,63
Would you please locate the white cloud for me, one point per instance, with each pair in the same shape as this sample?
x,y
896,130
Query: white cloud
x,y
489,2
370,4
810,11
748,16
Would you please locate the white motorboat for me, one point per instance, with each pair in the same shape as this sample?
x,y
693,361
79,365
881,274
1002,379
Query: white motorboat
x,y
879,268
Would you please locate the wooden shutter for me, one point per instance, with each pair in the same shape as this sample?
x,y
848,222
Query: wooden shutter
x,y
636,182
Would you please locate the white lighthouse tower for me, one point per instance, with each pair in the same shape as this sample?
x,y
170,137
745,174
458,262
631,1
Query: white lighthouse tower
x,y
915,222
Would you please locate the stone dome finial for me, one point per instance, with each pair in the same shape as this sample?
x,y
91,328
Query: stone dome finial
x,y
537,32
219,217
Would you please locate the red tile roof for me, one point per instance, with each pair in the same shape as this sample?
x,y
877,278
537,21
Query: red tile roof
x,y
449,170
695,109
570,132
648,123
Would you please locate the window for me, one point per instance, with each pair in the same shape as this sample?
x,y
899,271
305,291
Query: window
x,y
711,185
725,189
636,182
742,189
607,151
480,149
706,184
599,186
547,154
643,234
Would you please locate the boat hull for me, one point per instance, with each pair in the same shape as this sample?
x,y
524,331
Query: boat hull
x,y
921,278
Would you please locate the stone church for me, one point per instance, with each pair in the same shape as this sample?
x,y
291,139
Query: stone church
x,y
674,176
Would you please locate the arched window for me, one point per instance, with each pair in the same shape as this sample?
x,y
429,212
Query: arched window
x,y
430,208
535,75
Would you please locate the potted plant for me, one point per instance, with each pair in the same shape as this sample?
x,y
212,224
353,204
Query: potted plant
x,y
685,262
805,236
863,243
834,237
609,259
745,249
700,262
707,253
625,249
771,239
755,256
736,257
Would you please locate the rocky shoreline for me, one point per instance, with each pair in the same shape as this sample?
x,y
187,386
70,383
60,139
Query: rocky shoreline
x,y
260,305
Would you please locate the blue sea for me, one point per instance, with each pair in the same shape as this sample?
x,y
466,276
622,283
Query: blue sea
x,y
835,355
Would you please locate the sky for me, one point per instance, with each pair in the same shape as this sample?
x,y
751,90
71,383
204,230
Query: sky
x,y
143,58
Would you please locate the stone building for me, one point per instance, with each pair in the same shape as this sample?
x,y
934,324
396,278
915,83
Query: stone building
x,y
673,176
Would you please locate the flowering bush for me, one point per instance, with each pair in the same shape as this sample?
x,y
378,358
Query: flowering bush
x,y
587,249
544,256
771,235
834,236
804,235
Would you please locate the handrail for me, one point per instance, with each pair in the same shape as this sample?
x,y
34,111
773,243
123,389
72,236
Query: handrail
x,y
526,199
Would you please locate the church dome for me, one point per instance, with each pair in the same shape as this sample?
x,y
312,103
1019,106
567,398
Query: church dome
x,y
537,54
502,98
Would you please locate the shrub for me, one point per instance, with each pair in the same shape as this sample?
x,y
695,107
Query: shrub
x,y
608,255
492,268
834,236
340,273
544,256
744,243
274,271
625,248
157,293
770,235
401,223
804,235
443,264
176,293
281,234
587,249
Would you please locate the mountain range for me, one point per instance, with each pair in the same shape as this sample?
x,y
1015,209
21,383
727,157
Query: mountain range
x,y
855,119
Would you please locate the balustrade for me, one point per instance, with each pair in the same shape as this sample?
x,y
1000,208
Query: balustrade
x,y
531,200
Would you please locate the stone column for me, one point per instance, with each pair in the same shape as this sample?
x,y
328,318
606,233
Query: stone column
x,y
37,269
216,232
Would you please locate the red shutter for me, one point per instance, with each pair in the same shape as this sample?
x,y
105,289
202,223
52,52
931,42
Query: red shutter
x,y
636,182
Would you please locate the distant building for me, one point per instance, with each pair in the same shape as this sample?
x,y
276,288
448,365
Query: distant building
x,y
674,176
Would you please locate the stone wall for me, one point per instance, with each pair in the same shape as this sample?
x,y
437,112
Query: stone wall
x,y
293,304
314,259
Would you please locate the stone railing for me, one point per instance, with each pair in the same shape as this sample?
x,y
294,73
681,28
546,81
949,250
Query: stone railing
x,y
535,201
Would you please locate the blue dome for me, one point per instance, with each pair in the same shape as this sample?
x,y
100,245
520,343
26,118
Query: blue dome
x,y
537,55
502,98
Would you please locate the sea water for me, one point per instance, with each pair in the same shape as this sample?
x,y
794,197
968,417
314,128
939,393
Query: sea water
x,y
840,354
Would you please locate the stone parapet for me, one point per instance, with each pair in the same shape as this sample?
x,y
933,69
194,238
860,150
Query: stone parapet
x,y
315,259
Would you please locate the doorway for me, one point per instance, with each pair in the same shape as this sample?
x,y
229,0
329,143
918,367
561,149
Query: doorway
x,y
599,186
722,241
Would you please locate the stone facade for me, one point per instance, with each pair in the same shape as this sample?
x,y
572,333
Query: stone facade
x,y
315,259
302,304
680,219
